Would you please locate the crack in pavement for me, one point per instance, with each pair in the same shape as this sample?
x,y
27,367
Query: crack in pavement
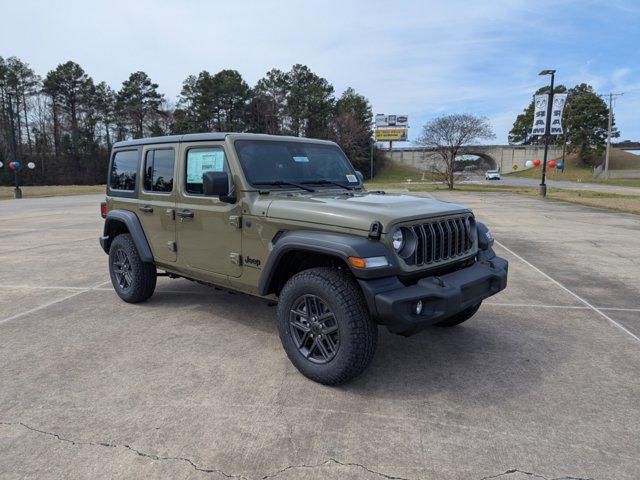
x,y
193,464
531,474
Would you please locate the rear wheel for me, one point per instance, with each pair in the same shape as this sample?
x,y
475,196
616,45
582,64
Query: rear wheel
x,y
133,280
460,317
324,326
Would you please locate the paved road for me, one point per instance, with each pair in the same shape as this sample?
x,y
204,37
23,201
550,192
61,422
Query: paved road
x,y
533,182
194,383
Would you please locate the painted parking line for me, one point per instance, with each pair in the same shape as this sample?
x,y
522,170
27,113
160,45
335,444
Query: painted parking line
x,y
568,307
578,297
53,302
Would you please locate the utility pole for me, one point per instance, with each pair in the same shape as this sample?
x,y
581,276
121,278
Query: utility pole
x,y
609,126
547,130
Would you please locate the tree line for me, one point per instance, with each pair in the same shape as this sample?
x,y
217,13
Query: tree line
x,y
585,123
66,123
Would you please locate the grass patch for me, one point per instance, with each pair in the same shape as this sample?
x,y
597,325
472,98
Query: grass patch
x,y
397,173
609,201
52,191
575,172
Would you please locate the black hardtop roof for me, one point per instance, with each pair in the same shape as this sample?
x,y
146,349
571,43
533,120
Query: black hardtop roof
x,y
203,137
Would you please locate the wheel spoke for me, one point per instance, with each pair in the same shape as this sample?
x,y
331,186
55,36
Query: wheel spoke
x,y
330,329
300,326
323,349
332,345
310,304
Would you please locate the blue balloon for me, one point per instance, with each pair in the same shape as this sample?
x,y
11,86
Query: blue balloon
x,y
560,166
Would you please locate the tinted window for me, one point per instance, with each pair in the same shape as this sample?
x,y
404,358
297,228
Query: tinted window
x,y
200,161
158,170
264,162
123,170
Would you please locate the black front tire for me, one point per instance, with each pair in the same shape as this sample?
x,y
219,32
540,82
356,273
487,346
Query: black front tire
x,y
357,334
460,317
133,280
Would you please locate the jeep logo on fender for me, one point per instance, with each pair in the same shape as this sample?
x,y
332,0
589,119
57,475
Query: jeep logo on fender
x,y
252,261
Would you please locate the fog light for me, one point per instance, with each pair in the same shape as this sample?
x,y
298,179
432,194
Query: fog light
x,y
418,307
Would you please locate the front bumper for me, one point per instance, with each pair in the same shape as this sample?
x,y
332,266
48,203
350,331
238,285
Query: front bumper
x,y
392,303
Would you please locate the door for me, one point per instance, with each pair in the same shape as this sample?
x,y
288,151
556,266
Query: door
x,y
208,230
156,204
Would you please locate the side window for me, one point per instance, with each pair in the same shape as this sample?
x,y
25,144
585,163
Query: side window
x,y
200,161
123,170
158,170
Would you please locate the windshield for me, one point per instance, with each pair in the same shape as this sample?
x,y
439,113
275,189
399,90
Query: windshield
x,y
284,163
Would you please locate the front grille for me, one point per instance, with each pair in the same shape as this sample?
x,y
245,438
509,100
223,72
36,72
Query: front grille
x,y
444,239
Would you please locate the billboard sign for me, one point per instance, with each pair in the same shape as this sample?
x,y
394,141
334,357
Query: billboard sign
x,y
391,134
392,121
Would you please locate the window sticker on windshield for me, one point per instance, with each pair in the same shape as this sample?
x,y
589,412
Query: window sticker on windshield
x,y
301,159
352,178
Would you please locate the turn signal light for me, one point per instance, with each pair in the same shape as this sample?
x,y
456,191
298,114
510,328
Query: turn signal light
x,y
357,262
370,262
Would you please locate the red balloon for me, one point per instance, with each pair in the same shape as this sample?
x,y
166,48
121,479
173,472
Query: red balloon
x,y
536,162
552,164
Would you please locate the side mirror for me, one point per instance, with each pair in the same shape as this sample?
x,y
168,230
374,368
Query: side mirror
x,y
360,176
216,184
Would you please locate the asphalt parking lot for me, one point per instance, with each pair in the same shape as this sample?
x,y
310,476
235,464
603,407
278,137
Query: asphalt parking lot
x,y
543,383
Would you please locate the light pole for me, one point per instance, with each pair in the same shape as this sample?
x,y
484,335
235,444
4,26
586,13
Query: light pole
x,y
547,129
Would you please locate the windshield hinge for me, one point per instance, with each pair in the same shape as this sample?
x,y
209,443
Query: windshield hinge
x,y
236,221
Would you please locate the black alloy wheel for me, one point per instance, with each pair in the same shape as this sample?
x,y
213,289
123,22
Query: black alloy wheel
x,y
314,329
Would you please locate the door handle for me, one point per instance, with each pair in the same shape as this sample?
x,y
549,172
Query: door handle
x,y
146,209
185,214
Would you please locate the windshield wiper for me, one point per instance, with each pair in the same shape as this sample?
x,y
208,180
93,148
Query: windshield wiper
x,y
329,182
282,183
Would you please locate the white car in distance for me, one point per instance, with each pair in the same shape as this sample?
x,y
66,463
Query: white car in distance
x,y
492,175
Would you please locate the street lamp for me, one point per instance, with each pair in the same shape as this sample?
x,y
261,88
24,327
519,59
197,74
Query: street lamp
x,y
543,185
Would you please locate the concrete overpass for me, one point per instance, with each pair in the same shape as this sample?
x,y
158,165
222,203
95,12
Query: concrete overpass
x,y
503,157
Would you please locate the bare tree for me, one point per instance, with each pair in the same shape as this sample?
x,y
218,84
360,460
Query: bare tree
x,y
449,134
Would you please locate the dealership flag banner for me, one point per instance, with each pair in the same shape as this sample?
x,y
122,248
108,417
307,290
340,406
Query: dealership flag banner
x,y
540,114
559,100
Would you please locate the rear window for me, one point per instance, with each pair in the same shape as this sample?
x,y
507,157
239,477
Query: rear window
x,y
158,170
123,170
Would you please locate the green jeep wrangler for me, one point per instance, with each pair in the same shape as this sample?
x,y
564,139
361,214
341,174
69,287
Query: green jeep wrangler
x,y
288,219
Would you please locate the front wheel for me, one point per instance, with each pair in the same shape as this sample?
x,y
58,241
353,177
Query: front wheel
x,y
324,326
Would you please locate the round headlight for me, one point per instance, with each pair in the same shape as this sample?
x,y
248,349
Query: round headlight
x,y
397,239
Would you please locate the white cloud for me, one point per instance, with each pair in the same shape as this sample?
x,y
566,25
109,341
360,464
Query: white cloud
x,y
416,57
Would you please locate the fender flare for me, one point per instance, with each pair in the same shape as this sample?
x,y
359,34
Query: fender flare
x,y
337,245
132,222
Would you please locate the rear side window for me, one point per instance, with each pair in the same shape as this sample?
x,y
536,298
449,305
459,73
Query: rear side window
x,y
158,170
200,161
123,170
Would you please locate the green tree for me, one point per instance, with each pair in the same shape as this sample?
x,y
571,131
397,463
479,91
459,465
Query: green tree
x,y
588,117
267,107
71,92
309,103
351,129
105,106
138,104
231,94
521,131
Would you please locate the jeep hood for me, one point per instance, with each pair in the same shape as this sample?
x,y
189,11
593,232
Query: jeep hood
x,y
357,211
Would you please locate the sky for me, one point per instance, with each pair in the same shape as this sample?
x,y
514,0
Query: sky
x,y
420,58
